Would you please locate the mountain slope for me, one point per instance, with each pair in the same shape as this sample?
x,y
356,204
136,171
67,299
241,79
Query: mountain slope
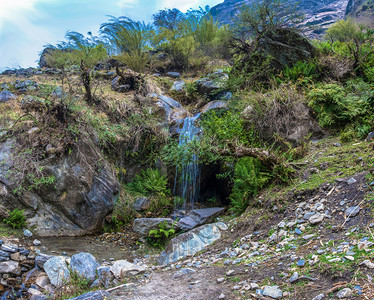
x,y
318,13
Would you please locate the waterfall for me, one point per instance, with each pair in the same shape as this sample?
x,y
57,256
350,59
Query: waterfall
x,y
187,177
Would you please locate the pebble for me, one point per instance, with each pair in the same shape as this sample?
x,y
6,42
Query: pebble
x,y
273,291
351,181
308,237
222,296
352,211
220,280
294,277
37,243
344,293
230,272
319,297
27,233
298,231
301,263
351,258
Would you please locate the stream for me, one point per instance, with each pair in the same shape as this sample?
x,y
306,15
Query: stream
x,y
91,244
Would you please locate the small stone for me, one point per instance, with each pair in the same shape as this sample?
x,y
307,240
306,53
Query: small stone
x,y
230,272
37,243
319,297
236,287
173,74
308,237
352,211
368,264
273,291
15,256
294,277
27,233
298,231
220,280
344,293
337,145
301,263
315,219
351,181
335,259
351,258
222,296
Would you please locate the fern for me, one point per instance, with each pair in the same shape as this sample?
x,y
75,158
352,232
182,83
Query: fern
x,y
16,219
249,178
150,182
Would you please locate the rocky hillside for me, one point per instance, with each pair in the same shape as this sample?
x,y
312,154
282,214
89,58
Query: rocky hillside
x,y
319,13
362,10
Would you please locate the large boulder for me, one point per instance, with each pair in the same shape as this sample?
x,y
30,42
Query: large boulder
x,y
286,47
85,264
57,270
82,195
213,84
96,295
199,217
173,111
189,243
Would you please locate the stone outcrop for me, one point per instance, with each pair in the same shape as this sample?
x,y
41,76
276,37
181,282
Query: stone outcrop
x,y
199,217
81,197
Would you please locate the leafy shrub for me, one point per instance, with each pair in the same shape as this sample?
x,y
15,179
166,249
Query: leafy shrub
x,y
16,218
249,177
335,105
150,182
158,238
302,72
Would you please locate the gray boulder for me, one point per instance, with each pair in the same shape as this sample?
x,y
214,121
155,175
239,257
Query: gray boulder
x,y
142,204
189,243
105,276
214,105
10,267
199,217
178,86
57,270
286,47
6,96
122,268
41,259
173,74
96,295
85,264
173,110
144,225
212,83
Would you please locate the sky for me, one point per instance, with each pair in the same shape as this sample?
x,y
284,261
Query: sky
x,y
27,25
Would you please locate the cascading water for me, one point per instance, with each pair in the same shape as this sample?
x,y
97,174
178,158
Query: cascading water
x,y
187,177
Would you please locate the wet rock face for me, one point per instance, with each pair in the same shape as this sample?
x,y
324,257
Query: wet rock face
x,y
82,195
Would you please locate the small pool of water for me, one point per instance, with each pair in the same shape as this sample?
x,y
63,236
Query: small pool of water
x,y
73,245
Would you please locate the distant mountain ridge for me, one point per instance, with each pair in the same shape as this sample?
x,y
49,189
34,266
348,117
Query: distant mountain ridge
x,y
319,13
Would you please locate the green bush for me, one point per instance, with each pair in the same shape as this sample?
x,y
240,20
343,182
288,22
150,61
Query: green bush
x,y
336,105
249,177
150,182
158,238
16,218
302,72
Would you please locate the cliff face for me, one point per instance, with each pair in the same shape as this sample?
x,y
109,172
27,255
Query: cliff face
x,y
318,13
